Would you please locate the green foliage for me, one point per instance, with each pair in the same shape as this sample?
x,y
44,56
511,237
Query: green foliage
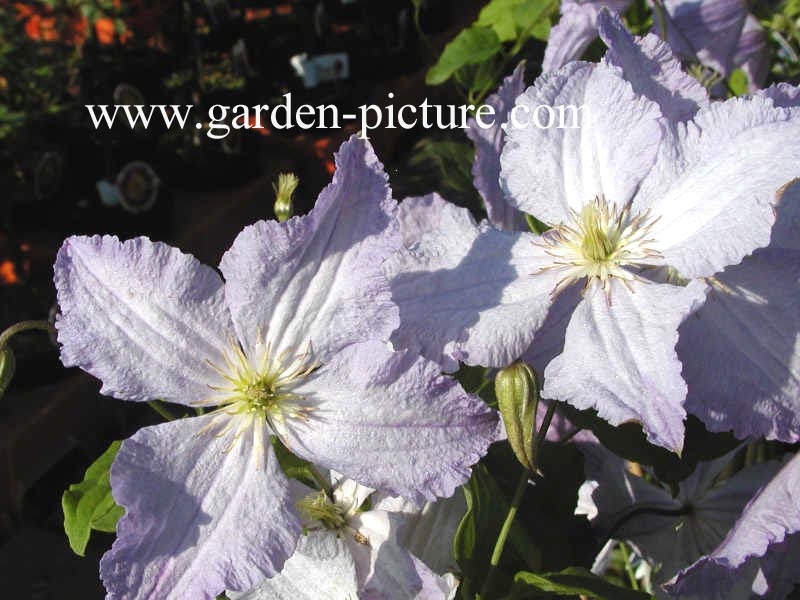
x,y
515,19
478,530
293,467
574,581
628,441
444,166
477,56
474,45
89,504
7,368
737,83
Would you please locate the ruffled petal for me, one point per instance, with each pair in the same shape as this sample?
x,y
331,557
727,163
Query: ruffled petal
x,y
203,513
321,567
575,30
619,357
390,421
767,529
421,215
549,171
741,350
142,317
716,190
470,293
488,144
707,31
651,68
316,279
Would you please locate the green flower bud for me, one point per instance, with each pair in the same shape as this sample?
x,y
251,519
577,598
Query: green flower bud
x,y
517,391
7,366
284,192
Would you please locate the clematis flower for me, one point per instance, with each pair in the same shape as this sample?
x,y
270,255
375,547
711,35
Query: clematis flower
x,y
351,551
764,544
719,34
682,535
741,350
291,344
626,191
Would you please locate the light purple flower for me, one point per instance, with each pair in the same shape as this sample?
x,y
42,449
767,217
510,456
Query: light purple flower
x,y
694,533
626,191
352,552
763,545
741,350
291,344
488,145
720,34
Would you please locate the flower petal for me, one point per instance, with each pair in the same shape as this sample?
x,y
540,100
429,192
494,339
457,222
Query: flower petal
x,y
652,69
741,350
317,279
548,171
488,144
575,30
706,31
752,53
420,215
468,292
619,357
715,191
767,529
202,513
141,316
321,567
390,421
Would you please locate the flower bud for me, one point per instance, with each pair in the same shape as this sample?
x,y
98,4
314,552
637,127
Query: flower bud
x,y
517,391
7,366
284,192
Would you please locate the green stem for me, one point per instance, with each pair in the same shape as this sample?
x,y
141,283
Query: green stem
x,y
522,484
497,553
161,410
626,556
24,326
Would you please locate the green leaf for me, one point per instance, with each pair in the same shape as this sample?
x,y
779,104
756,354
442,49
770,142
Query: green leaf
x,y
574,581
738,83
533,18
293,467
473,45
512,19
89,504
479,527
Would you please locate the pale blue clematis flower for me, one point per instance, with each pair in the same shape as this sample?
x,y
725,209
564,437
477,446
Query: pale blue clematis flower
x,y
651,178
292,343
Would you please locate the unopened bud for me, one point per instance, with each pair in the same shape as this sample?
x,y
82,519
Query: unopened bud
x,y
7,365
284,193
517,391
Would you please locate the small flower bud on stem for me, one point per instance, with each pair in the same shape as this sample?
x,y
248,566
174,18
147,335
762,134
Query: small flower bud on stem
x,y
284,193
517,393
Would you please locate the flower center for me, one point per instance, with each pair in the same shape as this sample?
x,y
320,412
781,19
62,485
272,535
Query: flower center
x,y
261,386
318,507
598,243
